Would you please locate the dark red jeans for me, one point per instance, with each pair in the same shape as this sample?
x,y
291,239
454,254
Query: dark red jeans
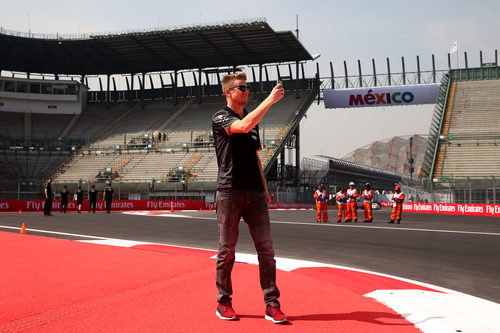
x,y
232,205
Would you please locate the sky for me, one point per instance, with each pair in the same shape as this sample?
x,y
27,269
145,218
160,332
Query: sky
x,y
338,30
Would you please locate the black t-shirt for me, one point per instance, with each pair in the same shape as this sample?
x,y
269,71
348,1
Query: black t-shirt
x,y
48,187
236,154
108,193
93,194
64,195
79,195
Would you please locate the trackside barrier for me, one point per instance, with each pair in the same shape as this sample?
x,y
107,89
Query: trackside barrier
x,y
449,208
38,205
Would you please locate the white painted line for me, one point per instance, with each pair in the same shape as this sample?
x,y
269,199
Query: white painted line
x,y
53,232
156,214
114,242
434,312
350,225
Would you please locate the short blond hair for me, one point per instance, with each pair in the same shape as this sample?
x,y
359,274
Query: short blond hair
x,y
228,79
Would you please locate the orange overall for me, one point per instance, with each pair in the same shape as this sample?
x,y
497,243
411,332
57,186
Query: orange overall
x,y
352,195
367,197
397,206
341,205
321,197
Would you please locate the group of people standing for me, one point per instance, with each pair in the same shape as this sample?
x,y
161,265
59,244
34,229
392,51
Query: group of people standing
x,y
347,204
78,196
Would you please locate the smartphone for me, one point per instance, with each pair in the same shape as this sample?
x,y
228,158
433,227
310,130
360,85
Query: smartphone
x,y
279,82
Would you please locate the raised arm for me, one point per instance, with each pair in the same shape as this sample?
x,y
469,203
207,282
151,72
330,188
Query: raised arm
x,y
253,118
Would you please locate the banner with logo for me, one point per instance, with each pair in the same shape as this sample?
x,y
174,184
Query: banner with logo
x,y
122,205
449,208
381,96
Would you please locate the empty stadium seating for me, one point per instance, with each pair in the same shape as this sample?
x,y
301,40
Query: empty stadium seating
x,y
471,145
87,143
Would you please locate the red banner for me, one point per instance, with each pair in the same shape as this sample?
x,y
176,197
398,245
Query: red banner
x,y
449,208
38,205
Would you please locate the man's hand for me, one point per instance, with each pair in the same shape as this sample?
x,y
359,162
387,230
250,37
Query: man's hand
x,y
268,198
276,94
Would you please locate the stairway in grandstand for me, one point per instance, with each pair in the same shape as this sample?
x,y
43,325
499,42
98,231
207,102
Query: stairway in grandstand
x,y
470,145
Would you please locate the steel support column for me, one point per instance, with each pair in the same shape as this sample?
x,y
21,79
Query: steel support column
x,y
494,190
282,168
143,83
404,71
388,72
101,89
297,158
433,69
260,82
360,74
346,76
107,86
174,83
332,76
199,86
419,79
297,95
131,99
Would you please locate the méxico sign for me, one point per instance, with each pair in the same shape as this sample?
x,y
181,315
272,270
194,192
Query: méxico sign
x,y
381,96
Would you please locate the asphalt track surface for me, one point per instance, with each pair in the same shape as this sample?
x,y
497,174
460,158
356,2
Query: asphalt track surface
x,y
455,252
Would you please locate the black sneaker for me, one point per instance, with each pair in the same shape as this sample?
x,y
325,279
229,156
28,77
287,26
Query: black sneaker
x,y
391,221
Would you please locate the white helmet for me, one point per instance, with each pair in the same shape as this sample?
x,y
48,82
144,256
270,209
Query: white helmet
x,y
351,183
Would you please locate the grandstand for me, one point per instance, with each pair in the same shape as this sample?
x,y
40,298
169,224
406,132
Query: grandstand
x,y
115,136
462,154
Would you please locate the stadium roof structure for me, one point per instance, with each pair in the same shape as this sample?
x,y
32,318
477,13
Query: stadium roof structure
x,y
191,47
